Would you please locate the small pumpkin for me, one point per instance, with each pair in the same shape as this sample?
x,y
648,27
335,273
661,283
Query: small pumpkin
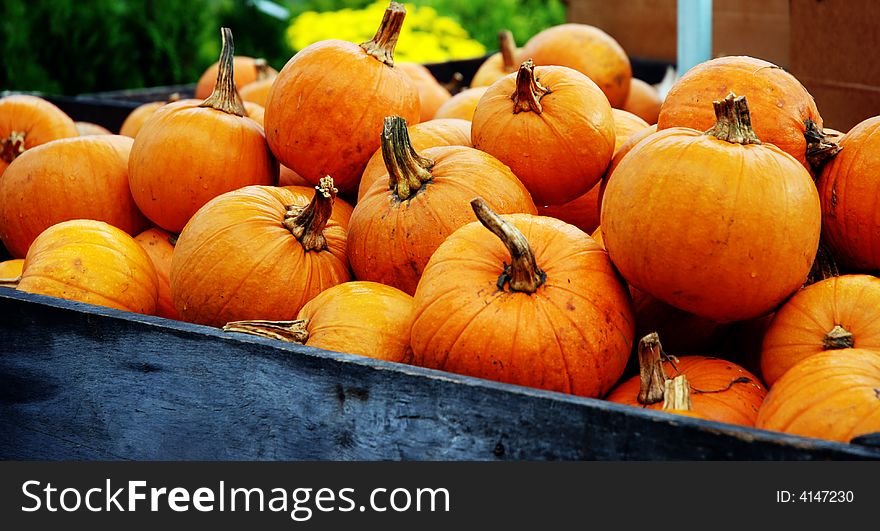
x,y
28,121
136,118
462,105
531,301
218,145
785,113
626,124
402,219
757,218
504,62
588,50
433,133
431,93
159,246
557,135
848,187
247,70
363,318
720,390
84,177
325,110
831,395
643,101
89,129
837,313
255,112
288,177
10,270
258,91
90,261
259,252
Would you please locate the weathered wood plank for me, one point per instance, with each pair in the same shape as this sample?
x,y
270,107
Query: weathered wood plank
x,y
84,382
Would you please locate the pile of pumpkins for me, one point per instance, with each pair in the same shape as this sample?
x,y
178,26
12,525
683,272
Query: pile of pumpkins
x,y
528,229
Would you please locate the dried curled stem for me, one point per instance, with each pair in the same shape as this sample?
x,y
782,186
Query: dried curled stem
x,y
522,274
677,394
381,46
838,338
733,123
307,223
407,170
289,331
652,374
820,147
225,96
12,146
528,93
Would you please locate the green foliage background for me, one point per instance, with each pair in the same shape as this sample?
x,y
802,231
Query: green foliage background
x,y
72,46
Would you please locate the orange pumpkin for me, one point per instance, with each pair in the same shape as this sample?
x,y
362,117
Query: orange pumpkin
x,y
324,113
784,112
259,252
257,92
751,241
720,390
402,219
431,93
504,62
90,261
837,313
84,177
255,112
136,118
643,101
159,246
831,395
462,105
247,70
626,124
27,122
557,135
88,129
288,177
534,302
220,148
433,133
621,151
588,50
10,270
848,187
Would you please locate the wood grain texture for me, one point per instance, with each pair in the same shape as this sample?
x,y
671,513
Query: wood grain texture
x,y
80,382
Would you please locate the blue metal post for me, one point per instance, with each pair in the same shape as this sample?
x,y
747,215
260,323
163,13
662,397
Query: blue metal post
x,y
694,33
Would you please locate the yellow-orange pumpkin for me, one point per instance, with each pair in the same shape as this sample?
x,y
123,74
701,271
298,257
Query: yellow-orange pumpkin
x,y
159,246
431,93
11,269
462,105
28,121
90,261
247,70
89,129
257,92
84,177
136,118
504,62
643,101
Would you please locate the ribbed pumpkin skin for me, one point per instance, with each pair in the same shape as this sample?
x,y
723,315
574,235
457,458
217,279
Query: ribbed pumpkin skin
x,y
849,186
158,246
245,73
462,105
40,120
588,50
832,395
799,327
341,210
757,234
236,261
337,96
220,151
362,318
558,154
431,93
135,120
91,261
257,92
433,133
737,405
778,102
76,178
572,335
643,101
391,241
10,269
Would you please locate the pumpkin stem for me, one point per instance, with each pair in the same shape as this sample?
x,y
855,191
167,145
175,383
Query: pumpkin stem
x,y
522,274
381,46
528,93
12,147
407,170
307,224
507,46
652,374
10,282
838,338
677,394
262,68
733,123
820,147
173,239
225,96
824,265
175,96
289,331
456,84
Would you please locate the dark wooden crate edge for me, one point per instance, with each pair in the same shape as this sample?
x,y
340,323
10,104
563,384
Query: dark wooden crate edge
x,y
350,407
